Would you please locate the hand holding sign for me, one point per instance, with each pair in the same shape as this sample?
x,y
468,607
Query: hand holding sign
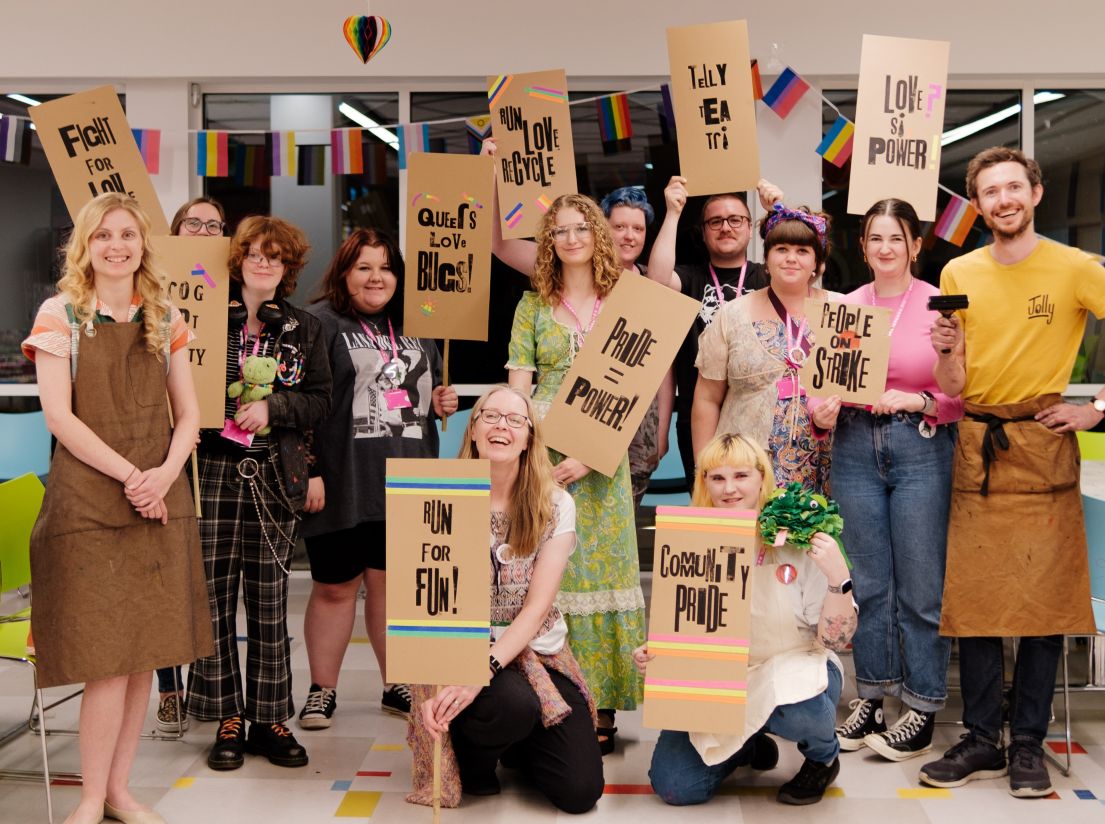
x,y
851,352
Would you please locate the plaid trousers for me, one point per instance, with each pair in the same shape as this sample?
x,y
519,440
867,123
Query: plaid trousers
x,y
233,535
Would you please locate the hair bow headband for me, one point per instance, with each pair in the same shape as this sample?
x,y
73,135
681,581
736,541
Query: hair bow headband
x,y
815,222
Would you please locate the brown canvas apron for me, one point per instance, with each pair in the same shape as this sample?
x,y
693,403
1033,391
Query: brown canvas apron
x,y
1017,562
115,593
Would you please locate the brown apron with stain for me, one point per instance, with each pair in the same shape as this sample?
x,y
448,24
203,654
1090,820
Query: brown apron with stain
x,y
113,592
1017,560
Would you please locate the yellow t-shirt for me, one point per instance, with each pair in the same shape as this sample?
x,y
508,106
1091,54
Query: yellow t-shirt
x,y
1026,321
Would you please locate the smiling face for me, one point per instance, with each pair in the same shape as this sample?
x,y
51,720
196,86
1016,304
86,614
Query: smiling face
x,y
1006,199
628,226
262,270
724,242
889,247
791,265
115,248
573,237
206,214
370,281
734,487
500,442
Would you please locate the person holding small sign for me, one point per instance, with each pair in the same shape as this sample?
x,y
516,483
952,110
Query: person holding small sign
x,y
802,615
537,712
387,394
892,477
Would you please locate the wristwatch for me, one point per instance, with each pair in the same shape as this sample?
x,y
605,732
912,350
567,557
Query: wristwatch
x,y
844,588
1099,404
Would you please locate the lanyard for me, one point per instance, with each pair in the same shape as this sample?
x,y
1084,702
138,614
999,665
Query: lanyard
x,y
797,345
243,344
375,340
717,283
572,312
901,306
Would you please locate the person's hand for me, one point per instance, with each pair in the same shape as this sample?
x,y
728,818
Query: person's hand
x,y
946,334
641,657
444,400
769,193
316,495
489,148
568,471
675,194
824,415
253,416
156,511
894,400
449,702
1069,417
825,553
147,487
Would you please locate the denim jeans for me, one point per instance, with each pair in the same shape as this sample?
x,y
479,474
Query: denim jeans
x,y
679,776
165,680
894,491
980,675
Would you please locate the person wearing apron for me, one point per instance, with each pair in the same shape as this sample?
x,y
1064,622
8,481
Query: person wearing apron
x,y
1017,562
802,611
115,557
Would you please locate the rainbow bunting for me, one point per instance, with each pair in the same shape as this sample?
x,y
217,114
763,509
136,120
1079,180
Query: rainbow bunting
x,y
667,114
785,92
956,221
498,87
212,154
312,166
149,144
479,129
757,83
545,93
413,138
615,127
836,147
543,203
280,147
346,152
15,140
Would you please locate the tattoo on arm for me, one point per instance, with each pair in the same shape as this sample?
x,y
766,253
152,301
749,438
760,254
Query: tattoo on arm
x,y
835,631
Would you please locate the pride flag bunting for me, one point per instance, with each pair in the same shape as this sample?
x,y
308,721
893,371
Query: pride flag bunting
x,y
479,129
312,166
212,154
785,92
956,221
280,148
615,127
757,83
836,147
346,152
149,144
667,114
15,140
413,138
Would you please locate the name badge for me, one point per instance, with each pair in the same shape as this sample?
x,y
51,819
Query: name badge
x,y
233,432
397,399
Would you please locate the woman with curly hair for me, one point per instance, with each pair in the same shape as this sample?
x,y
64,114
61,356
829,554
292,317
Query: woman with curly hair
x,y
577,265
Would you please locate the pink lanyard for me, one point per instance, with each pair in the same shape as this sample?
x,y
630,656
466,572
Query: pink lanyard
x,y
797,342
717,283
572,312
901,306
375,340
244,344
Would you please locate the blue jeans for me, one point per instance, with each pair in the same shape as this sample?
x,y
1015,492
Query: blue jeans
x,y
679,776
894,491
165,680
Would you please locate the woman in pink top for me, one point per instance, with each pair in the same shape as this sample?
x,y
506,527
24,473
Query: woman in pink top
x,y
892,472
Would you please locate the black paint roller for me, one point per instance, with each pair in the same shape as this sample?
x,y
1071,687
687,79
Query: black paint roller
x,y
947,305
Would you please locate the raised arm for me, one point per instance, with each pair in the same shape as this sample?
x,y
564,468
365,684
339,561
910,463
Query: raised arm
x,y
661,262
518,254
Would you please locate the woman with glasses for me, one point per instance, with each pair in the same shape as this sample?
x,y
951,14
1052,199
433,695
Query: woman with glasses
x,y
198,217
536,713
576,267
253,483
387,395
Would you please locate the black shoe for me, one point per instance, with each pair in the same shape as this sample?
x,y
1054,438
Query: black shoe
x,y
319,708
910,736
1028,776
230,743
810,784
397,700
866,719
765,752
276,742
972,759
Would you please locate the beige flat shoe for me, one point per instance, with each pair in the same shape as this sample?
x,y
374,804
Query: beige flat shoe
x,y
133,816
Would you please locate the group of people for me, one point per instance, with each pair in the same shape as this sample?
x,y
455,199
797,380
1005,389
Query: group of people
x,y
958,490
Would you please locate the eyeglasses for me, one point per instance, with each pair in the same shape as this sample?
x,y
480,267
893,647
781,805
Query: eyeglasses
x,y
194,224
256,258
734,221
513,419
582,231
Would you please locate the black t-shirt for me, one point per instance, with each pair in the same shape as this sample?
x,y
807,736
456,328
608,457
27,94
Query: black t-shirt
x,y
696,282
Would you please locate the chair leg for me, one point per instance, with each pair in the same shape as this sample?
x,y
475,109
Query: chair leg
x,y
1063,766
45,756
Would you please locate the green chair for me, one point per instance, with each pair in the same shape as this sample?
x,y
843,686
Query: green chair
x,y
1092,445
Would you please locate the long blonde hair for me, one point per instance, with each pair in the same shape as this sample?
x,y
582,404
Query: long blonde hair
x,y
731,450
531,507
77,283
548,274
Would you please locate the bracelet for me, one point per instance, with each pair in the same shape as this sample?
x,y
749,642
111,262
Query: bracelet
x,y
496,667
133,469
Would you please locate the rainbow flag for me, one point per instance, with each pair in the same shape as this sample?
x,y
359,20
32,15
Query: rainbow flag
x,y
836,147
149,144
667,114
785,92
346,152
312,166
956,221
498,86
757,83
15,140
479,129
413,138
212,154
615,127
280,148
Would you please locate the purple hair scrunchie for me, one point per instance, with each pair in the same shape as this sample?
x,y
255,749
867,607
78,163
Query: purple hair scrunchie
x,y
815,222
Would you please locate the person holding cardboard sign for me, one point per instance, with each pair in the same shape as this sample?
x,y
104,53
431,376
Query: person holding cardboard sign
x,y
802,615
537,711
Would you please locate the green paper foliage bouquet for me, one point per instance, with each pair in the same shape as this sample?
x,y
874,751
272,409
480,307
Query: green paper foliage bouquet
x,y
801,514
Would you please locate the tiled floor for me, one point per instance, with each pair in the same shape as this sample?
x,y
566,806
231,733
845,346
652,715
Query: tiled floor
x,y
360,770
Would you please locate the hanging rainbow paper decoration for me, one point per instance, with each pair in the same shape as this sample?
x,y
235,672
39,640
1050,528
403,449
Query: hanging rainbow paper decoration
x,y
366,35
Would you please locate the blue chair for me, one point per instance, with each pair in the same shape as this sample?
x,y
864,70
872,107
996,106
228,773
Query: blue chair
x,y
24,444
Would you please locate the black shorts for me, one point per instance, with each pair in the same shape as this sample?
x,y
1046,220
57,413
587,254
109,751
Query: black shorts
x,y
338,557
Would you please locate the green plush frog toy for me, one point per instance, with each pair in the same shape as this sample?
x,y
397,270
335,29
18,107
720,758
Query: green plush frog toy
x,y
799,514
258,373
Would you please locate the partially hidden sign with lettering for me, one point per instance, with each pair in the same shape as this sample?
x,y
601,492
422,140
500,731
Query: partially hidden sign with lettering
x,y
199,285
535,160
899,120
715,114
700,620
438,598
850,354
91,151
617,372
449,213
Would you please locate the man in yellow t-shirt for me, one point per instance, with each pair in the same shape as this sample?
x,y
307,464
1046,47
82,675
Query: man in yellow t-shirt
x,y
1017,562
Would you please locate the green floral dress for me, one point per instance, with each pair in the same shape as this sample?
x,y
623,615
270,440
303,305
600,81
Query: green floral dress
x,y
600,595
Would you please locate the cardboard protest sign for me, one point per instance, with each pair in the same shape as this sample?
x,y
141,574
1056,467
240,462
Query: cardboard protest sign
x,y
199,285
535,163
448,246
899,119
715,115
438,600
91,151
700,620
850,354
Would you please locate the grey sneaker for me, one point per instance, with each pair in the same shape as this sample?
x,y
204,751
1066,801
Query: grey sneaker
x,y
1028,776
866,719
972,759
910,736
170,714
319,708
397,700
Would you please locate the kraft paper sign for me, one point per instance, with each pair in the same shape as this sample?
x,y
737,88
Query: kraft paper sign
x,y
617,372
899,119
850,354
449,213
700,620
438,600
91,151
535,162
715,115
199,285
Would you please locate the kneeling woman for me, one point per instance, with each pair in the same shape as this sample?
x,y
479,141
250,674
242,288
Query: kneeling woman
x,y
794,677
537,712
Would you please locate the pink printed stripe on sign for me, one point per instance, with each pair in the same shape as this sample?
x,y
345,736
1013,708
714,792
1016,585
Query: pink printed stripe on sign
x,y
697,639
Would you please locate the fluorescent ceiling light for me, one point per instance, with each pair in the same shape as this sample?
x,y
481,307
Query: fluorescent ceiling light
x,y
976,126
363,119
22,98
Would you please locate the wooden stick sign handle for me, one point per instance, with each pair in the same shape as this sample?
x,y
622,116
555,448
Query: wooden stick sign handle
x,y
445,382
437,780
